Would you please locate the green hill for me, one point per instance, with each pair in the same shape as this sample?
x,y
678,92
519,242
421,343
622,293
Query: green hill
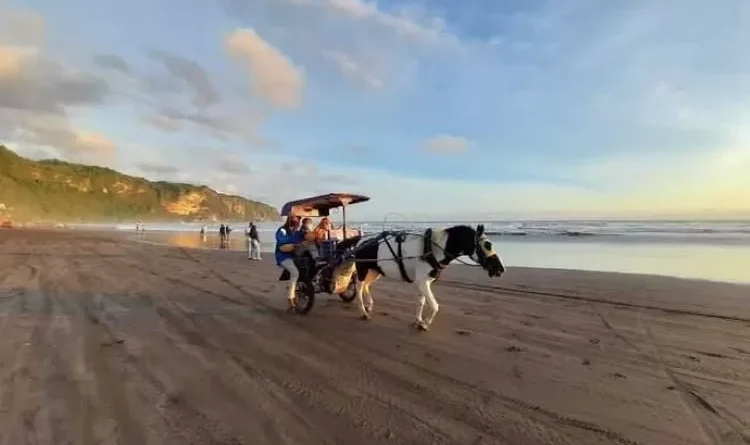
x,y
57,191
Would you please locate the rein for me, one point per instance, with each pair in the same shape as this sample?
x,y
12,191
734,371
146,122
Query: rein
x,y
385,234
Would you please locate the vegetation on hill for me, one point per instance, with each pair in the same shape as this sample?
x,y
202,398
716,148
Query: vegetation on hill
x,y
53,190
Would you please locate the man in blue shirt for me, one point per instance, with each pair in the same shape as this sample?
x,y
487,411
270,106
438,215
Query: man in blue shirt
x,y
288,237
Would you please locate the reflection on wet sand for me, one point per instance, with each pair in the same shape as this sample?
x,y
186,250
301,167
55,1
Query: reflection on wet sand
x,y
197,241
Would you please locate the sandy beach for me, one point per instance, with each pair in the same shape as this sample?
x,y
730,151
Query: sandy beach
x,y
110,341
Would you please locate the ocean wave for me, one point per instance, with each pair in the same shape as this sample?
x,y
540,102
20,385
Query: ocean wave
x,y
523,229
548,233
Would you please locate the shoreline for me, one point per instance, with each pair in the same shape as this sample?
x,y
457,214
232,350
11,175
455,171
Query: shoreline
x,y
459,264
508,252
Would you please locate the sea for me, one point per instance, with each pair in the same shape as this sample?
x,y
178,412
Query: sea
x,y
706,250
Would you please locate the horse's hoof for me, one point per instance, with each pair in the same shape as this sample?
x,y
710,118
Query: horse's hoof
x,y
422,327
365,318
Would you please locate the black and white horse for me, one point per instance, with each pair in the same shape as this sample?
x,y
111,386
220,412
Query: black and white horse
x,y
419,259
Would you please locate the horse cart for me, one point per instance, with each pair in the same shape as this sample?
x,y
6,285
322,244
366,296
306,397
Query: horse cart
x,y
332,272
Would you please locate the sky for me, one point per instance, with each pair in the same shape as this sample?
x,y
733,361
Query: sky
x,y
439,109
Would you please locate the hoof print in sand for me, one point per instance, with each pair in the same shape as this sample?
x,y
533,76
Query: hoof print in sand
x,y
618,375
594,341
714,355
462,332
517,373
586,362
693,358
513,349
671,387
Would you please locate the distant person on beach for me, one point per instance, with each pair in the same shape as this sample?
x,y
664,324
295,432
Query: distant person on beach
x,y
222,236
288,237
253,243
203,233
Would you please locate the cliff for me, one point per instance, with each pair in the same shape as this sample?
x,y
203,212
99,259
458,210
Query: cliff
x,y
53,190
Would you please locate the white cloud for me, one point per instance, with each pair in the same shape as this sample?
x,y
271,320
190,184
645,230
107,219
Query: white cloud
x,y
21,27
55,132
273,76
36,93
13,60
428,31
351,69
447,145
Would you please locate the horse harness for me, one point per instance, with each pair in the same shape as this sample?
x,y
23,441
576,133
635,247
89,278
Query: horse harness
x,y
428,254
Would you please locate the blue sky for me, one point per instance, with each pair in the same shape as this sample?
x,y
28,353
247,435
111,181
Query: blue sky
x,y
435,109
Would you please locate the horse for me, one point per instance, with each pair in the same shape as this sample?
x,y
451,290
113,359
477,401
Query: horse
x,y
413,257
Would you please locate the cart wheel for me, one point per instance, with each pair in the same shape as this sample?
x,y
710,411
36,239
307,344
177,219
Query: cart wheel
x,y
351,291
304,298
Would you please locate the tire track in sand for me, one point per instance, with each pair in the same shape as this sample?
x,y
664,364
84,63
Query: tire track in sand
x,y
180,322
510,291
692,402
479,392
406,386
704,413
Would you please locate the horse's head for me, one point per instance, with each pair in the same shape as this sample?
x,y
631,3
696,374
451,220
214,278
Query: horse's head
x,y
465,240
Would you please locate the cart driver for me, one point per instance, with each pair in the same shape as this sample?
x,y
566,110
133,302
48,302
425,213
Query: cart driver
x,y
288,237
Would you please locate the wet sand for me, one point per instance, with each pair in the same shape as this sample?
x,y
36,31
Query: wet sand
x,y
109,341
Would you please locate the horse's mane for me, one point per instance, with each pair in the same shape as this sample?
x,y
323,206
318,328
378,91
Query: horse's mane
x,y
348,242
459,228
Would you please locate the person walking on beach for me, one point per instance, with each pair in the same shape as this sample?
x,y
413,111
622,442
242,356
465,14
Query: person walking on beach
x,y
253,243
222,236
288,237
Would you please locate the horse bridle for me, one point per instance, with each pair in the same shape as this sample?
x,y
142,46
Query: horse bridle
x,y
478,250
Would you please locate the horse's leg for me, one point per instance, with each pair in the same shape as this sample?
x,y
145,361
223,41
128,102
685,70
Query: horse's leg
x,y
420,308
360,302
423,280
371,278
431,300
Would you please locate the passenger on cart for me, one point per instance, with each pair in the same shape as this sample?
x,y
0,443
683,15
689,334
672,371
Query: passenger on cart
x,y
324,238
308,237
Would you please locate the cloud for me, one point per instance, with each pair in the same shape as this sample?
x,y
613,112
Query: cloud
x,y
447,145
232,165
55,132
273,76
429,31
353,70
31,82
113,62
37,93
192,75
21,27
13,60
163,122
158,169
